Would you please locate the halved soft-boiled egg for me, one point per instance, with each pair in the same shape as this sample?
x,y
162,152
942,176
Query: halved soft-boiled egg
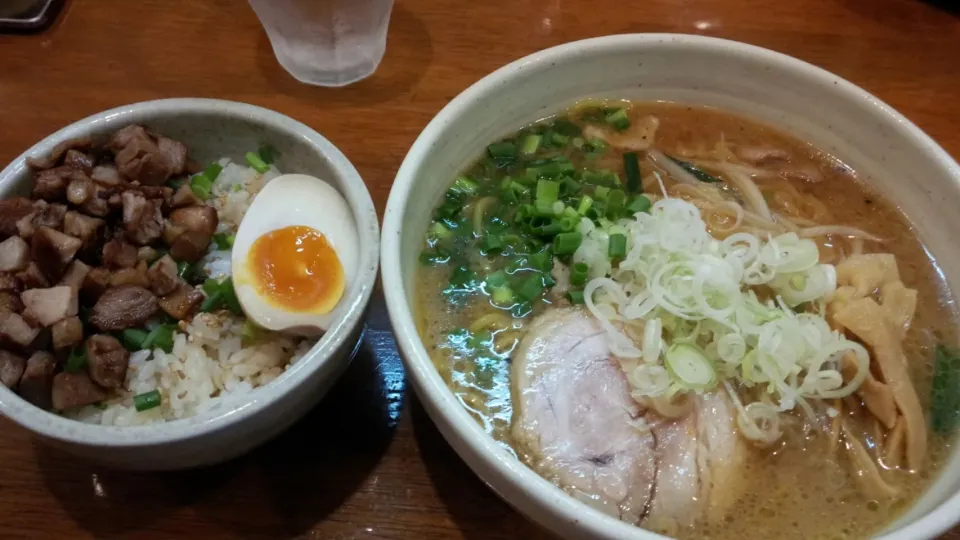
x,y
295,255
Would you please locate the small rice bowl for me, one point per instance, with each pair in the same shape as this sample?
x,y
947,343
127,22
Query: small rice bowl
x,y
215,354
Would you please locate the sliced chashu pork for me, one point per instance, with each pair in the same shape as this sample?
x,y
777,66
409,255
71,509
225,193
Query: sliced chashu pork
x,y
574,422
700,459
573,413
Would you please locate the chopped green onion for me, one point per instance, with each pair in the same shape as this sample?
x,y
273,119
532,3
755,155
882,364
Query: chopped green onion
x,y
440,231
147,400
465,185
211,302
615,203
618,119
544,226
575,296
542,261
567,243
509,196
452,206
480,340
256,162
638,204
502,296
531,288
133,338
200,189
585,203
697,172
569,186
492,242
513,191
77,360
597,145
690,367
523,214
502,149
463,277
631,166
543,208
230,296
601,193
617,248
564,162
548,170
210,286
160,337
164,338
578,274
602,177
546,138
202,180
569,223
220,294
559,139
151,337
212,172
548,191
497,279
268,153
223,240
530,144
184,269
503,153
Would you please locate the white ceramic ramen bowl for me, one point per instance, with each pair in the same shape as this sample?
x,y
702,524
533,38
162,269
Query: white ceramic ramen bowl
x,y
212,129
816,106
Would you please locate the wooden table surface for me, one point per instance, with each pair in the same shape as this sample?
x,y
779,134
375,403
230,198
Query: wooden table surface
x,y
368,462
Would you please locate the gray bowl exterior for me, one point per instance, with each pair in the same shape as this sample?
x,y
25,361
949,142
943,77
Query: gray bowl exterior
x,y
213,129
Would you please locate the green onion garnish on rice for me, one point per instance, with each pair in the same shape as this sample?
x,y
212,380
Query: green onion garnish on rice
x,y
212,172
257,162
223,240
77,359
133,338
268,154
220,294
147,400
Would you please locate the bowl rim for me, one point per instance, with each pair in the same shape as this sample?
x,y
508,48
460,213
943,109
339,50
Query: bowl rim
x,y
427,381
242,406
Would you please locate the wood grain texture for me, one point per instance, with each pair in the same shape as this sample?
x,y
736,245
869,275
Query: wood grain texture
x,y
368,463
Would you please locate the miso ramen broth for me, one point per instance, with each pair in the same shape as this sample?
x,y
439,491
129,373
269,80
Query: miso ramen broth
x,y
582,224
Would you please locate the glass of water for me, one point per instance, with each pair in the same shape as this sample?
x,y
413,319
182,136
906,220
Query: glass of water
x,y
326,42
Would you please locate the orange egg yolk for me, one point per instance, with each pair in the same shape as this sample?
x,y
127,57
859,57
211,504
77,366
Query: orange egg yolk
x,y
297,269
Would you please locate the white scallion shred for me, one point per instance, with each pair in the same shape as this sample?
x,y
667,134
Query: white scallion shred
x,y
702,324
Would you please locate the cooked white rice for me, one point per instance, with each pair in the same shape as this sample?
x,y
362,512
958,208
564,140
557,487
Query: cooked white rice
x,y
210,359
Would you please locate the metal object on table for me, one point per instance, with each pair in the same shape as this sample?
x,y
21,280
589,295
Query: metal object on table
x,y
28,15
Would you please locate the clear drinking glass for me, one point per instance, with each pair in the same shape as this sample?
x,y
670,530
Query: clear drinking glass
x,y
326,42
